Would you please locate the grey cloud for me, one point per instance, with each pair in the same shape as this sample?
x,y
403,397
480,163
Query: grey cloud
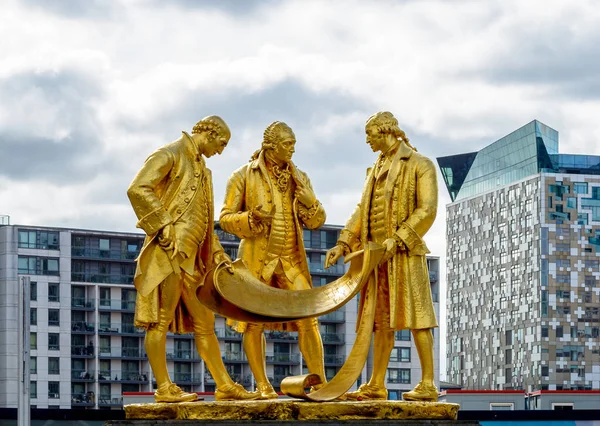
x,y
288,101
26,155
552,56
237,8
74,8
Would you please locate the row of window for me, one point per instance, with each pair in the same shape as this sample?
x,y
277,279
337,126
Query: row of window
x,y
53,291
47,240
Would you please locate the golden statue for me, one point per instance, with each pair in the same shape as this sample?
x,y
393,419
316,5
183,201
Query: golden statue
x,y
266,203
172,197
397,208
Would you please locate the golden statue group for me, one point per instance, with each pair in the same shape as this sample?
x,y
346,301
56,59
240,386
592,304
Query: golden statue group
x,y
267,203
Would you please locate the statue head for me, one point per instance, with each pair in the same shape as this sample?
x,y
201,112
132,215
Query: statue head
x,y
278,142
382,129
212,135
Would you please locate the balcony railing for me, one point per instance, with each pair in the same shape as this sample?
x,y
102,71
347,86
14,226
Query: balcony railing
x,y
106,352
84,351
234,356
119,328
337,316
281,335
227,333
332,338
122,376
95,253
83,399
318,268
82,302
82,375
82,327
334,359
87,277
283,358
110,400
183,355
277,378
117,304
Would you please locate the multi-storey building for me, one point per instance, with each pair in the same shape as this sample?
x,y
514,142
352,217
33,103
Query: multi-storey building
x,y
85,350
523,235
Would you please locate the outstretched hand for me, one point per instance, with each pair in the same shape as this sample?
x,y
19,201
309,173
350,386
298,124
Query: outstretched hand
x,y
333,255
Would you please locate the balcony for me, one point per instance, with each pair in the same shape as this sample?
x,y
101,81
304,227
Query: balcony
x,y
116,305
82,375
81,303
337,317
119,328
283,358
131,353
332,338
234,357
83,399
228,334
118,376
88,277
284,336
97,254
186,378
82,327
110,400
80,351
318,268
183,355
333,360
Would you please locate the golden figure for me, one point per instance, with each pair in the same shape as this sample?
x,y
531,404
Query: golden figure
x,y
173,199
266,203
398,207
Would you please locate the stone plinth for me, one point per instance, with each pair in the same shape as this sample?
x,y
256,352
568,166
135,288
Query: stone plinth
x,y
288,410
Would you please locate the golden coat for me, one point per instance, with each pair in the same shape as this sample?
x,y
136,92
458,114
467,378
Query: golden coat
x,y
160,193
249,187
411,206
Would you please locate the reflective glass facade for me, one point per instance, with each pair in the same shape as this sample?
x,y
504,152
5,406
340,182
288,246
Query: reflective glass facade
x,y
522,153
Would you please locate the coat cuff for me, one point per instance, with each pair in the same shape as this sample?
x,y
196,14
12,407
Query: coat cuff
x,y
154,221
412,240
349,240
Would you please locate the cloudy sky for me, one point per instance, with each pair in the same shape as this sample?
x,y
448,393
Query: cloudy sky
x,y
89,88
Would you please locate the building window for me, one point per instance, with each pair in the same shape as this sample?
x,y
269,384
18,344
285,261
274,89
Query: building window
x,y
559,331
544,331
33,389
33,290
403,335
53,341
53,292
53,390
502,406
53,365
54,317
33,316
35,265
33,365
104,245
33,340
399,375
104,296
563,406
400,355
580,187
46,240
591,263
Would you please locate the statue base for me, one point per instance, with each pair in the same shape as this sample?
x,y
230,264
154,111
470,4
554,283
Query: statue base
x,y
282,411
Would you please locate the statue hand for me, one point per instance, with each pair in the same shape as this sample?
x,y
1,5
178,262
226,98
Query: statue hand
x,y
391,246
305,195
262,216
222,257
167,240
333,255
